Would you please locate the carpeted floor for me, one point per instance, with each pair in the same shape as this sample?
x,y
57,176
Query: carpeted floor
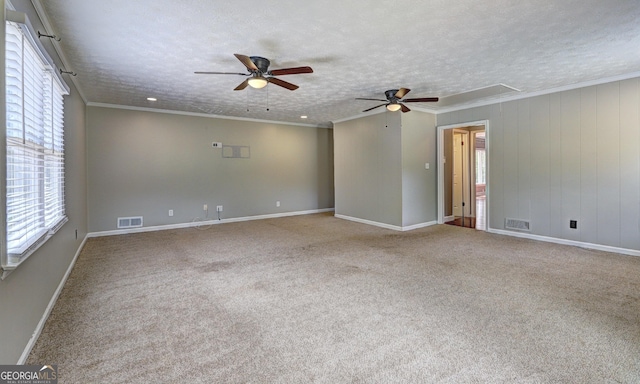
x,y
318,299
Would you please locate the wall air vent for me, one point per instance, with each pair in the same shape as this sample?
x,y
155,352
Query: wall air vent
x,y
236,151
130,222
517,224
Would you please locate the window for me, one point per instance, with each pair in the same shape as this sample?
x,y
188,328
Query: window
x,y
481,168
35,207
481,158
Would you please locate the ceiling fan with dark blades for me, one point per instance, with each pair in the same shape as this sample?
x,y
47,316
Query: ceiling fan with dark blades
x,y
395,100
260,75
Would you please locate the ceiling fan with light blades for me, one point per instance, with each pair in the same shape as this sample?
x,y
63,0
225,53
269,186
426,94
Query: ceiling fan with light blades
x,y
395,100
260,75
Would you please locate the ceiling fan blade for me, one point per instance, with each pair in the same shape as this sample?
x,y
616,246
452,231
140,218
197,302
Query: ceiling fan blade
x,y
282,83
220,73
246,60
242,85
291,71
362,98
401,92
404,108
377,106
421,100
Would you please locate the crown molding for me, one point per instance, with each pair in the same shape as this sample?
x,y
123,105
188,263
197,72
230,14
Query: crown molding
x,y
198,114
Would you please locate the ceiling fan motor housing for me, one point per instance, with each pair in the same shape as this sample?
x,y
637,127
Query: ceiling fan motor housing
x,y
261,63
391,94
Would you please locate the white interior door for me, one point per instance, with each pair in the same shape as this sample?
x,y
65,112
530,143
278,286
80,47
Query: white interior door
x,y
461,174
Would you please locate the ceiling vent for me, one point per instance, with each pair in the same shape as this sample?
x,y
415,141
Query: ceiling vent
x,y
517,224
130,222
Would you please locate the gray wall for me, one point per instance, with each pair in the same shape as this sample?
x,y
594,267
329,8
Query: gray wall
x,y
368,168
380,168
419,185
572,155
144,163
26,292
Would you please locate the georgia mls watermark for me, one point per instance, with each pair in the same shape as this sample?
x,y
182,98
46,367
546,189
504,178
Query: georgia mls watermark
x,y
28,374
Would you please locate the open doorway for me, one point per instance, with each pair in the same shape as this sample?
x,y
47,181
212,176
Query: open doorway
x,y
463,175
480,168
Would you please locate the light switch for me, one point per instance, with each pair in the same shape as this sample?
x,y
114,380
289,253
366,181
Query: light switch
x,y
426,165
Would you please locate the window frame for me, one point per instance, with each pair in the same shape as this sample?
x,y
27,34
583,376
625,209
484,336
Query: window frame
x,y
47,150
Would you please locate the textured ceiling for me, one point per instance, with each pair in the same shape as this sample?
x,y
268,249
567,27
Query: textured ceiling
x,y
125,51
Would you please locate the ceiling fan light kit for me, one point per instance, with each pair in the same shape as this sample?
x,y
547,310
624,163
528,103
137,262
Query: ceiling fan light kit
x,y
393,107
258,82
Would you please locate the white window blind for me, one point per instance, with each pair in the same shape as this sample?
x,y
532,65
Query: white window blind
x,y
35,147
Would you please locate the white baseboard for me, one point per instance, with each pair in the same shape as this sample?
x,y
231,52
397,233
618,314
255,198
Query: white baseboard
x,y
449,218
597,247
384,225
420,225
204,223
52,302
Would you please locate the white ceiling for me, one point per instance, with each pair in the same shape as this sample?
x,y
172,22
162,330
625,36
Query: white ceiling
x,y
125,51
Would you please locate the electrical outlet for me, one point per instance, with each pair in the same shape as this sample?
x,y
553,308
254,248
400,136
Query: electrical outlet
x,y
573,224
277,203
204,207
219,208
170,212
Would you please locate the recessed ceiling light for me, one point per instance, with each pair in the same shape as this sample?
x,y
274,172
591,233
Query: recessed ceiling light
x,y
152,99
303,116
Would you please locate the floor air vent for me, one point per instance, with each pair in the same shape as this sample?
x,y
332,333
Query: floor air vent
x,y
517,224
130,222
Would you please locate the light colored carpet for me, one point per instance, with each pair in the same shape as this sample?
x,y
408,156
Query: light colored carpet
x,y
318,299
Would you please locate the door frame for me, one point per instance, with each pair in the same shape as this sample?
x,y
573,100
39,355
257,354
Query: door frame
x,y
441,160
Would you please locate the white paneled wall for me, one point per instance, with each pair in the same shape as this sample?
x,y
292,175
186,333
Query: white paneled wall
x,y
630,164
572,155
